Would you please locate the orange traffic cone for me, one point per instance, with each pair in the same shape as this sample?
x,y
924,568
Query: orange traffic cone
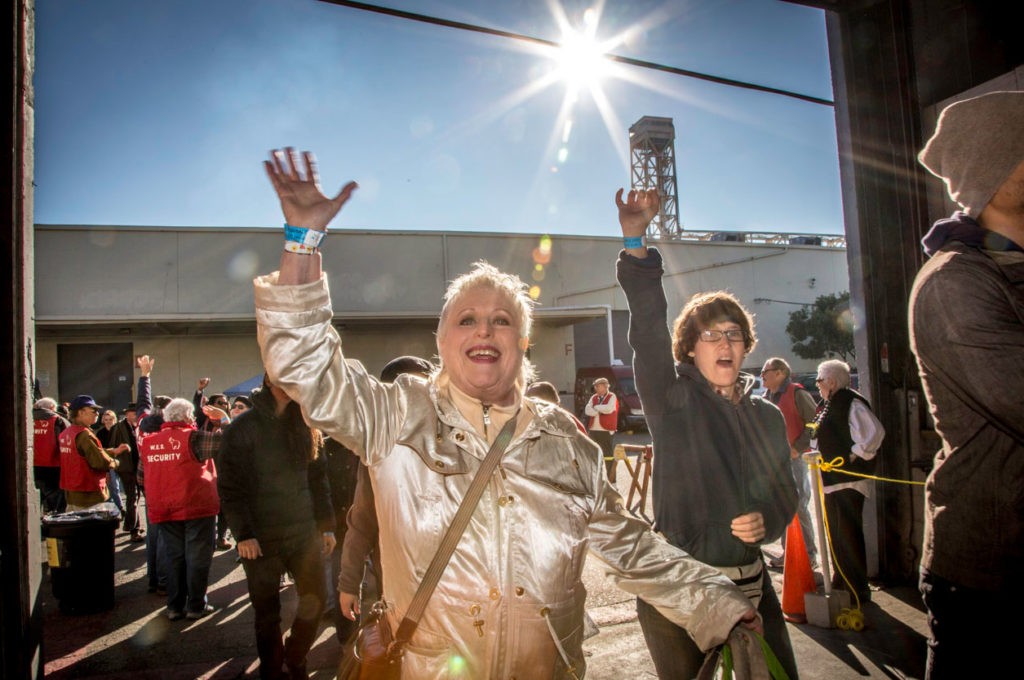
x,y
797,577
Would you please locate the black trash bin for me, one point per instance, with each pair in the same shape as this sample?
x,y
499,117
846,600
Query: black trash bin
x,y
80,552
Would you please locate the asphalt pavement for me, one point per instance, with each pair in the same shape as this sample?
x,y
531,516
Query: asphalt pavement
x,y
134,641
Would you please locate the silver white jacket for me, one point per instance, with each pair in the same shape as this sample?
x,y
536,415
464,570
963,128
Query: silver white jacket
x,y
512,595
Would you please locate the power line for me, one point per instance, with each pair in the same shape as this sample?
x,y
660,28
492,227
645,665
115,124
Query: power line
x,y
462,26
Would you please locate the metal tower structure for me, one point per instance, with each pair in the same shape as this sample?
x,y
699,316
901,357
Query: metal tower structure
x,y
652,151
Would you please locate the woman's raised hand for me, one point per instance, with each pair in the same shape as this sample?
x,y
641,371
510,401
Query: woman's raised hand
x,y
302,201
637,211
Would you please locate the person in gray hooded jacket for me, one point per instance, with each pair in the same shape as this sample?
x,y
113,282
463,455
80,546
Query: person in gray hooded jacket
x,y
967,332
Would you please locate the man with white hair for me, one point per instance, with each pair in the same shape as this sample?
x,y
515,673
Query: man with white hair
x,y
967,332
182,501
849,431
47,426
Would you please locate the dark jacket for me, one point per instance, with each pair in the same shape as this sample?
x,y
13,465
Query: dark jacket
x,y
124,433
835,440
361,537
342,470
967,331
713,460
266,493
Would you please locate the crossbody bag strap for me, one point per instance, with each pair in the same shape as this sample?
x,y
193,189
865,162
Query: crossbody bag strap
x,y
453,535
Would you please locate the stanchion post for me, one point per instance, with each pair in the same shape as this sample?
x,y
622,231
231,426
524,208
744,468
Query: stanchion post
x,y
823,547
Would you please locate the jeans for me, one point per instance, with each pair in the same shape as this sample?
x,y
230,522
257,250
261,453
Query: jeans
x,y
189,545
156,557
845,516
803,509
301,558
675,654
603,438
114,486
131,495
222,527
966,640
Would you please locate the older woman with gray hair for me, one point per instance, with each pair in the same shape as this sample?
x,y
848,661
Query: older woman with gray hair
x,y
510,601
182,501
848,433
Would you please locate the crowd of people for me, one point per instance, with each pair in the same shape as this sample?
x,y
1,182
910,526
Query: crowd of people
x,y
325,448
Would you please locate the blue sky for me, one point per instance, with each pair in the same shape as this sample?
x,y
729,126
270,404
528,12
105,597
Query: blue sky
x,y
160,113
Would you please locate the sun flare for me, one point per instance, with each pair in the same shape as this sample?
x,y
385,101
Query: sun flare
x,y
581,62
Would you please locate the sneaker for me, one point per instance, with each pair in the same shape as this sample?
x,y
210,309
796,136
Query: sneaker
x,y
195,616
137,537
174,615
224,545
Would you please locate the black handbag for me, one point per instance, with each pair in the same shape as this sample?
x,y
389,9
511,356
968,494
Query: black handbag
x,y
370,654
373,653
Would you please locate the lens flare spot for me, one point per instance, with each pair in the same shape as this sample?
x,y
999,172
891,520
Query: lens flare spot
x,y
538,273
563,154
456,666
845,321
534,292
243,266
103,239
154,632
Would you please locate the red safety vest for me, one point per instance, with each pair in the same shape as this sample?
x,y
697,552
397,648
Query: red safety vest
x,y
178,487
609,421
787,404
75,473
46,450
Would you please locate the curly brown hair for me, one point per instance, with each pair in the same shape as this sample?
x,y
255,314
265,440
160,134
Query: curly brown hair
x,y
703,310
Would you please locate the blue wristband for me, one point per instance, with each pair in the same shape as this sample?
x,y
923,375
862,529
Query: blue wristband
x,y
303,236
633,241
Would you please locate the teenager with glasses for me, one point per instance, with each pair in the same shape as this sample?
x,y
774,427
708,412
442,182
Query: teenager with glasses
x,y
722,483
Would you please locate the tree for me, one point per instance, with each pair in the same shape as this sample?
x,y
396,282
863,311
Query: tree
x,y
823,329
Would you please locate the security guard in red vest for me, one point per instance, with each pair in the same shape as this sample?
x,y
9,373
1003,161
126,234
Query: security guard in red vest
x,y
182,503
84,463
47,426
603,419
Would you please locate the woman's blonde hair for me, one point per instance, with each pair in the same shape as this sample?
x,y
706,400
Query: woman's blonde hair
x,y
485,275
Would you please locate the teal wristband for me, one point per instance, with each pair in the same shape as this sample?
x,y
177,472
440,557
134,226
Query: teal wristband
x,y
310,238
633,241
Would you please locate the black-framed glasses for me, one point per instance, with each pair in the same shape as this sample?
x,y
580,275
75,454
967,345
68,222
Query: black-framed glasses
x,y
733,334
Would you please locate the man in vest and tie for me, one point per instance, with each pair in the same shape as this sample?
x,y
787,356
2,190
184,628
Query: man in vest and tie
x,y
602,413
798,409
